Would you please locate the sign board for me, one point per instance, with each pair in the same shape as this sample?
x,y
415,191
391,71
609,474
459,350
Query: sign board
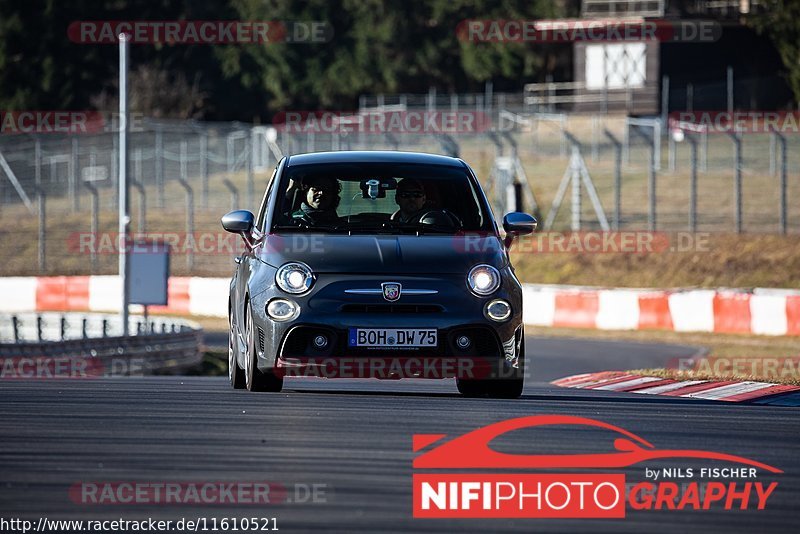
x,y
96,173
149,264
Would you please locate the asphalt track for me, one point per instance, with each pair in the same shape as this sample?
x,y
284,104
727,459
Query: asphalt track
x,y
355,438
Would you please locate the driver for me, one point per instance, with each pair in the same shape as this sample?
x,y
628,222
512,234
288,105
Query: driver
x,y
320,200
410,196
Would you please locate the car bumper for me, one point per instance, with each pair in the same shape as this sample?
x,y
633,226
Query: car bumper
x,y
494,350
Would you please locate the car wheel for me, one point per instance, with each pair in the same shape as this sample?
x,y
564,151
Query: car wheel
x,y
471,388
511,388
499,388
235,373
257,380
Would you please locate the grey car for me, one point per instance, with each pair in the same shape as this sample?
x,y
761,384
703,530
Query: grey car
x,y
376,265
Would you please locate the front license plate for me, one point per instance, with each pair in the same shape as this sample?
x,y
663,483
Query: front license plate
x,y
392,337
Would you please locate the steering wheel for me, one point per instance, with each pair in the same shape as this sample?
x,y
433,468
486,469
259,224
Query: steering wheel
x,y
440,217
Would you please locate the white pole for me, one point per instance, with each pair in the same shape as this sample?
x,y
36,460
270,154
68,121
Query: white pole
x,y
124,217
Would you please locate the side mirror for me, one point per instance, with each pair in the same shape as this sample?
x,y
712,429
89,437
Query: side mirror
x,y
517,223
239,221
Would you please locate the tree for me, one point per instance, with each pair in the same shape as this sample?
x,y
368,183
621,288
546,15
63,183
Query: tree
x,y
780,20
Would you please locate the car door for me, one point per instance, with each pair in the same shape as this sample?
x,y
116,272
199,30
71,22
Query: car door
x,y
247,261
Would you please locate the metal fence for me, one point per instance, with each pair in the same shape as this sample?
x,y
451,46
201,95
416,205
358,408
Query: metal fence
x,y
51,345
187,174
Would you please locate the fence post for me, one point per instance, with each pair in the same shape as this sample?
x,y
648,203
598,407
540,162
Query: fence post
x,y
248,149
595,127
730,89
704,151
575,226
115,171
657,143
783,214
141,224
204,166
617,177
159,165
37,159
672,149
189,205
73,174
772,151
651,187
94,224
229,160
42,227
693,184
234,194
737,180
626,144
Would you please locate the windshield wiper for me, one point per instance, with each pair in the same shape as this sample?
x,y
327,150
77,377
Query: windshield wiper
x,y
421,228
305,227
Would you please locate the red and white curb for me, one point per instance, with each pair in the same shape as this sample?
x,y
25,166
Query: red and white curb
x,y
773,312
721,390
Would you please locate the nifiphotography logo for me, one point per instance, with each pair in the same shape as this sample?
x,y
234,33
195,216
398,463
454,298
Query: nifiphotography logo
x,y
575,493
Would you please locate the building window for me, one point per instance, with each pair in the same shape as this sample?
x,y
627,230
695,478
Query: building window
x,y
615,66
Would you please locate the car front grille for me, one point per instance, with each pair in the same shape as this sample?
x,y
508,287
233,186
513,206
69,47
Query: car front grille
x,y
392,308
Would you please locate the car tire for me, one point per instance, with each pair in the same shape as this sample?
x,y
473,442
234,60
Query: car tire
x,y
256,379
498,388
471,388
511,388
235,373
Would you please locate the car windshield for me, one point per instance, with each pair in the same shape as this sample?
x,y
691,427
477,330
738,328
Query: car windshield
x,y
379,198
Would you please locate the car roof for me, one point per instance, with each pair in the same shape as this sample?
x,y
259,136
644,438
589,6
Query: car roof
x,y
372,156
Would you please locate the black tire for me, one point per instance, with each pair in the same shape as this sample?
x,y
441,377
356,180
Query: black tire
x,y
255,379
471,388
511,388
498,388
235,373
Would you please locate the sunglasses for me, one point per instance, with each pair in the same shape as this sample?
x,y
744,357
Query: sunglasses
x,y
410,194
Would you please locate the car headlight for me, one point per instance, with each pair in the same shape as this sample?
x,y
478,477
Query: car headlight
x,y
294,278
483,280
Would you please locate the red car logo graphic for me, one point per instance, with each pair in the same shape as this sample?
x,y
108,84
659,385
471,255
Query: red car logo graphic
x,y
472,450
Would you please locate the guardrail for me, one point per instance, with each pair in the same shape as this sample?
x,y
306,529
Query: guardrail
x,y
158,344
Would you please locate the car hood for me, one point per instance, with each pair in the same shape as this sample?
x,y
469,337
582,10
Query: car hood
x,y
384,253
